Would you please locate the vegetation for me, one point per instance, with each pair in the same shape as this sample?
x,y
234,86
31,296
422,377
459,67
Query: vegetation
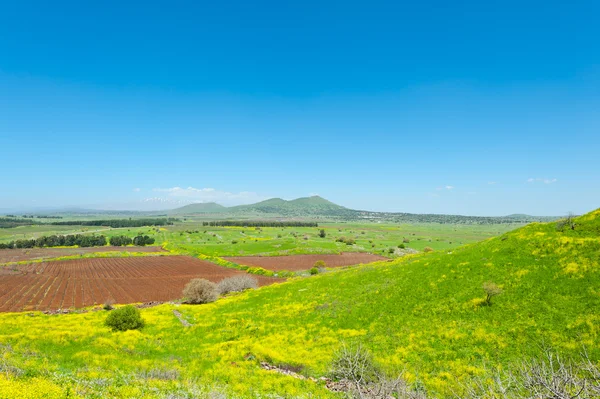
x,y
119,222
258,223
125,318
418,317
238,283
200,291
58,241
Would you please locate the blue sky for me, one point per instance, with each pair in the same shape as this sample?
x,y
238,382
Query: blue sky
x,y
479,108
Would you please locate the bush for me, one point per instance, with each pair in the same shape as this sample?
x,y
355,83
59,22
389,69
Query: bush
x,y
322,233
237,284
391,250
427,249
260,271
401,246
200,290
406,240
125,318
108,304
353,364
491,290
314,271
320,263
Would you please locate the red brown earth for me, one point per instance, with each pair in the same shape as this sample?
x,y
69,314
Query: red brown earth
x,y
304,262
17,255
87,282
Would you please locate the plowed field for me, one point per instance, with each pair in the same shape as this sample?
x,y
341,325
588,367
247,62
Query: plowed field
x,y
86,282
16,255
304,262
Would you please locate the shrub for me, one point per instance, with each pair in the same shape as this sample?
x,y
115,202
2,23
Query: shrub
x,y
401,246
260,271
234,242
237,284
322,233
427,249
200,290
353,363
125,318
314,271
491,290
320,263
406,240
108,304
391,250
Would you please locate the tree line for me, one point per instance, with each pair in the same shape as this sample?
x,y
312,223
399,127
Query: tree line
x,y
121,241
119,222
80,240
258,223
57,241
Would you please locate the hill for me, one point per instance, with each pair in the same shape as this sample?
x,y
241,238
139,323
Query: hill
x,y
316,208
205,207
423,315
300,207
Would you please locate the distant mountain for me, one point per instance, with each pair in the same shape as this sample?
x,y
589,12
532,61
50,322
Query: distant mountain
x,y
316,207
306,206
205,207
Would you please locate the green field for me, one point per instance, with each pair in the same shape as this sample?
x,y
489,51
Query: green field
x,y
219,241
422,316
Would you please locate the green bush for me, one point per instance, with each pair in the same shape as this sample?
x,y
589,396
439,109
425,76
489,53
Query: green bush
x,y
260,271
401,246
125,318
314,271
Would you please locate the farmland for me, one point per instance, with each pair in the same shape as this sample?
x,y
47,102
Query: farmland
x,y
88,282
422,316
304,262
36,254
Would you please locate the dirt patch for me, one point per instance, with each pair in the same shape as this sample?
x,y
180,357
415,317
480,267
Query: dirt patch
x,y
18,255
92,281
305,262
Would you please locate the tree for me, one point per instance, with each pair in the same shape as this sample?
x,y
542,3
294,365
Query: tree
x,y
491,290
322,233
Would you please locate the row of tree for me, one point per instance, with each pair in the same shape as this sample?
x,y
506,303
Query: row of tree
x,y
57,241
119,222
258,223
121,241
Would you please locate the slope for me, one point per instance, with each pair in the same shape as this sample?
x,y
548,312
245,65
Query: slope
x,y
423,314
205,207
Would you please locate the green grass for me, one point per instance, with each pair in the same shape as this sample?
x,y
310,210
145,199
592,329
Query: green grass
x,y
421,314
270,241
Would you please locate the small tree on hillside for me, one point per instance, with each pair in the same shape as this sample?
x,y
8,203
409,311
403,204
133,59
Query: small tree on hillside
x,y
491,290
322,233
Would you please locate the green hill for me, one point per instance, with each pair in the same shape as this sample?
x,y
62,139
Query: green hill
x,y
423,315
300,207
205,207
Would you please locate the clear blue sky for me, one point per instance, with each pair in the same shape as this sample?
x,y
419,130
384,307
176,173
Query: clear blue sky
x,y
470,107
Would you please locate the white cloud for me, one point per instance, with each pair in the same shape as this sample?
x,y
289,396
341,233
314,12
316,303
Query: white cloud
x,y
191,195
540,180
445,188
137,190
491,183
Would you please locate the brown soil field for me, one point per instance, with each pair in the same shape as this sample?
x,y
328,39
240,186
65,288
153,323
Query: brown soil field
x,y
17,255
87,282
304,262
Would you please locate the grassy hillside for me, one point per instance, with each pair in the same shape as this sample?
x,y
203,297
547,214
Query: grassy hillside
x,y
301,207
423,314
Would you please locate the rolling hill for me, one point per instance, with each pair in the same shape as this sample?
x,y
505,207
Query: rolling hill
x,y
424,316
205,207
316,207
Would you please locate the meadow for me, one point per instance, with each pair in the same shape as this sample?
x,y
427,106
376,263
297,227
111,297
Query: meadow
x,y
423,316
